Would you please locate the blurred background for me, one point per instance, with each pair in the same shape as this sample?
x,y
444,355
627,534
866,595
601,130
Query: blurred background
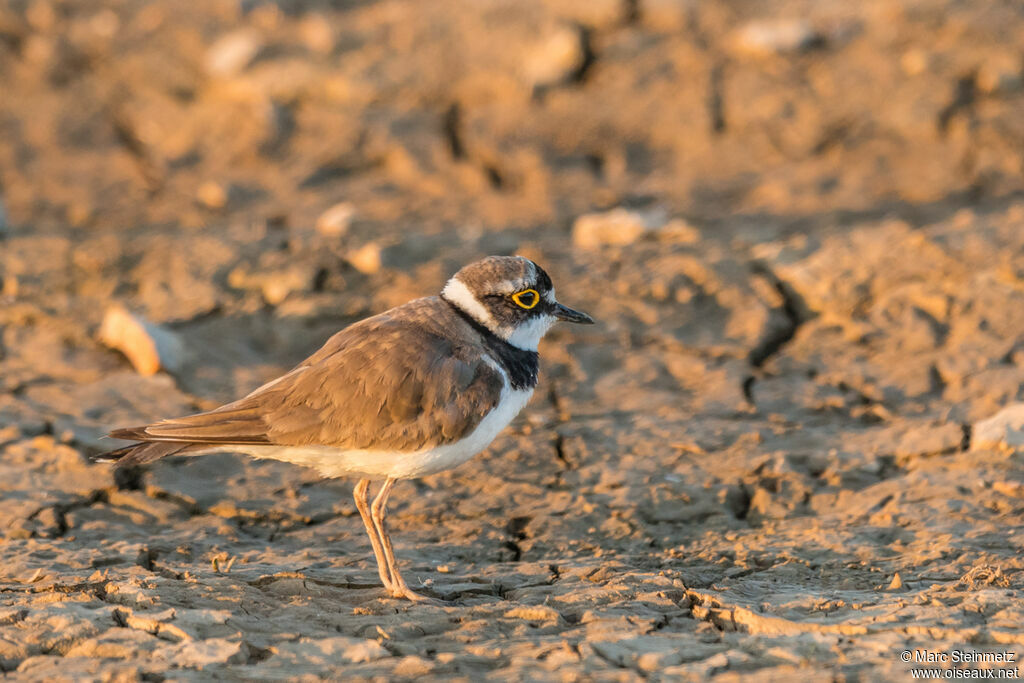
x,y
248,161
800,225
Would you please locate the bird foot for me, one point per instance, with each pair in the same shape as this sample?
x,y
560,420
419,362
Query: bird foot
x,y
409,594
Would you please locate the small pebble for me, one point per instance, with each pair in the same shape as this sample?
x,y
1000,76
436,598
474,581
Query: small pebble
x,y
212,195
336,220
1000,74
366,259
232,52
914,61
555,57
775,37
277,286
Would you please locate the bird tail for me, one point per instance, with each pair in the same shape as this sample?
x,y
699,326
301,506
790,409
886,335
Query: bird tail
x,y
193,434
142,453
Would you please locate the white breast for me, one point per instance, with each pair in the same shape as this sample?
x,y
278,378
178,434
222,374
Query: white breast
x,y
451,455
334,462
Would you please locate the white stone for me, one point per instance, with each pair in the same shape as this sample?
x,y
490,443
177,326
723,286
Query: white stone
x,y
1005,429
147,346
779,36
232,52
616,227
556,55
336,220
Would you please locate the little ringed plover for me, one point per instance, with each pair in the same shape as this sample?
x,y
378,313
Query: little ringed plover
x,y
412,391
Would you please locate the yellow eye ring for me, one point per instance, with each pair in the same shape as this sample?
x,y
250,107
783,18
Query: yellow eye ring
x,y
532,300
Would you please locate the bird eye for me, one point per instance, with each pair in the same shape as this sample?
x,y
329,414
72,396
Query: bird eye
x,y
528,298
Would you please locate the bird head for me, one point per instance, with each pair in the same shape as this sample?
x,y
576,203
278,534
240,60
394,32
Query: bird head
x,y
512,297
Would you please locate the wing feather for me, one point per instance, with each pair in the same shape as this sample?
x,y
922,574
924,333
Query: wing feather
x,y
386,383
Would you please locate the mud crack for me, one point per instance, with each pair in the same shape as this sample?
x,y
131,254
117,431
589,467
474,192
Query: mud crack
x,y
150,168
781,328
516,529
558,443
57,517
968,432
777,336
965,92
452,131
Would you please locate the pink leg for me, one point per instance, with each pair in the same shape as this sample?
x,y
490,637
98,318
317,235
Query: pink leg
x,y
362,496
398,587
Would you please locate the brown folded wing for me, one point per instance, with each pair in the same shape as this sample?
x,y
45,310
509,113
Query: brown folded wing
x,y
386,383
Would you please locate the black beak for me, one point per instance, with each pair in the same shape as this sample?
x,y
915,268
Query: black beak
x,y
570,316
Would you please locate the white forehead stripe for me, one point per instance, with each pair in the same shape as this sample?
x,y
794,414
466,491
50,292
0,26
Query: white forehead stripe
x,y
533,270
511,286
457,293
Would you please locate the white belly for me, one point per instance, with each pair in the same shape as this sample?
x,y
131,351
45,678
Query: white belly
x,y
335,462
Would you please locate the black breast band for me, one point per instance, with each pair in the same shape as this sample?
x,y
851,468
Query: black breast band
x,y
520,365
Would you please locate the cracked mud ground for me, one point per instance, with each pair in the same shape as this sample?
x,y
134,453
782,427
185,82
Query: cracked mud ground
x,y
761,463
